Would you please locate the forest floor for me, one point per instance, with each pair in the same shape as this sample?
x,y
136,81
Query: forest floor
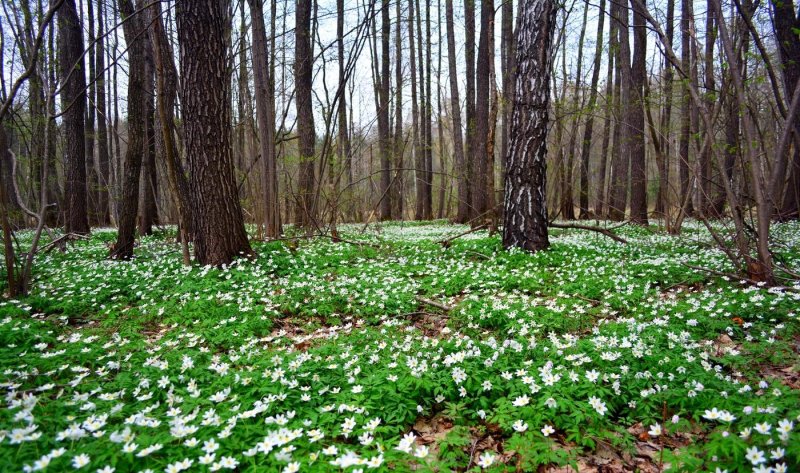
x,y
394,352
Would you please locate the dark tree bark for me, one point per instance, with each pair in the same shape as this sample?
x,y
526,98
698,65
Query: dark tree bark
x,y
469,58
132,27
219,232
384,127
662,197
303,70
91,175
786,23
586,145
525,215
398,188
102,130
620,160
480,196
265,111
73,103
343,145
148,212
636,117
601,199
507,51
455,105
428,112
415,118
166,93
704,202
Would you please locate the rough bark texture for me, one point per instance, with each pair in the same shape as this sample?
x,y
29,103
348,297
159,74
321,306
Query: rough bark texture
x,y
219,233
265,112
636,117
91,175
480,158
586,145
620,160
166,93
148,212
786,23
525,216
129,197
469,58
507,48
73,102
303,70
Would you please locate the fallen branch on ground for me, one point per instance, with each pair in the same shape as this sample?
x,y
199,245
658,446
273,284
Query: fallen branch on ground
x,y
446,242
438,305
600,230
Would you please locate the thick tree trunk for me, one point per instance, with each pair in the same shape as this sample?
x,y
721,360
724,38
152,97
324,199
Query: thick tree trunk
x,y
166,93
469,58
507,48
662,198
73,104
636,117
415,118
148,212
133,27
525,215
620,160
786,23
601,199
219,232
480,196
303,71
586,145
265,111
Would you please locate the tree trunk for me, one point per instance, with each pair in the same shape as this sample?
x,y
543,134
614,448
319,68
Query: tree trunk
x,y
662,198
586,145
133,27
148,212
219,232
620,160
166,93
469,57
73,104
415,119
455,105
636,117
480,196
384,127
398,195
343,145
303,71
686,104
786,23
102,131
265,111
601,199
507,51
91,175
525,215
